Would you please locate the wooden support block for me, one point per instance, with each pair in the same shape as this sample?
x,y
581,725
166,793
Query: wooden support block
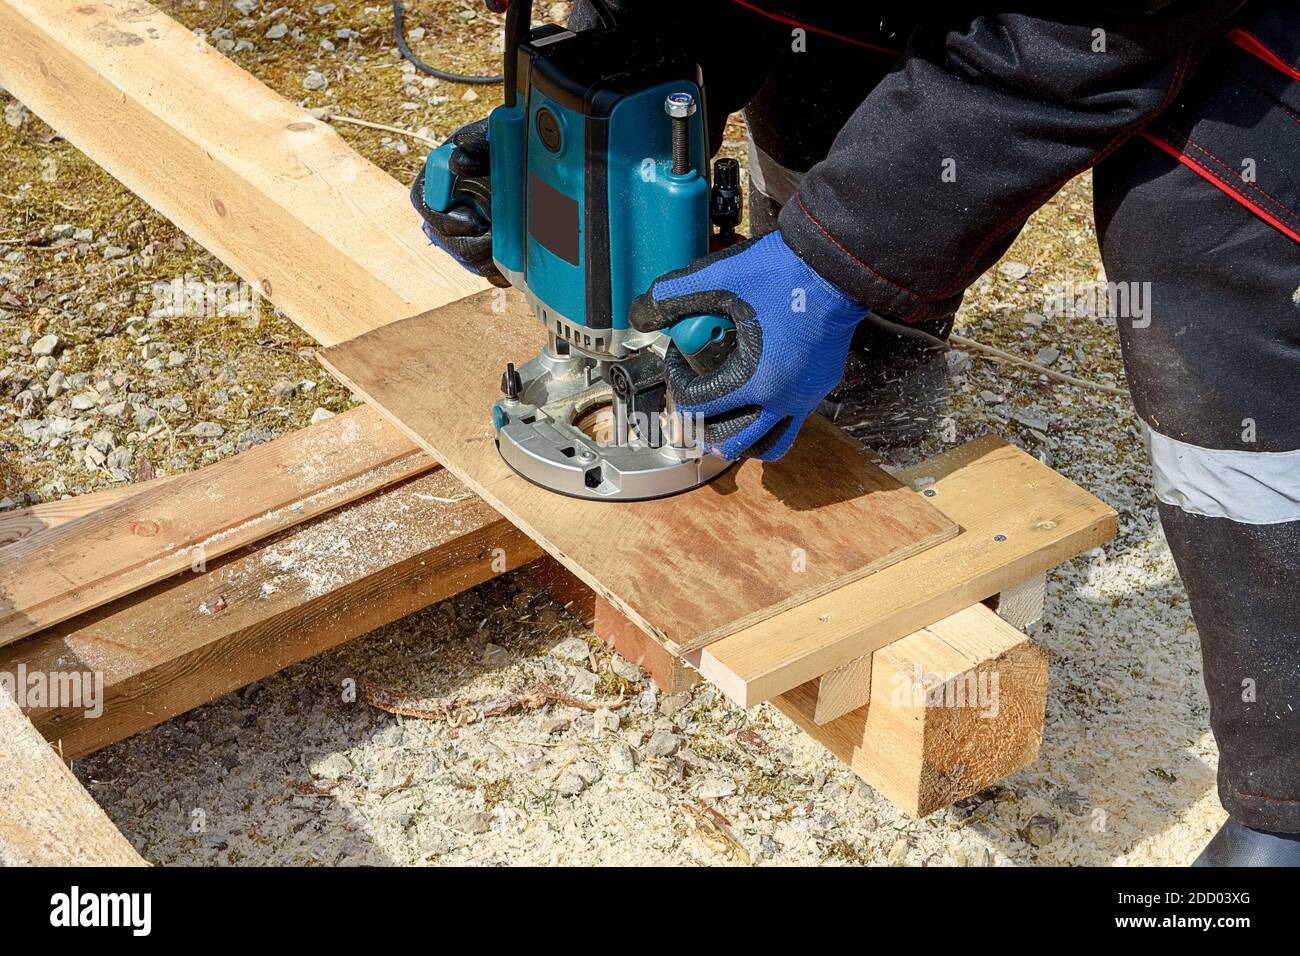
x,y
849,687
187,640
1018,518
60,572
837,692
46,817
1021,605
953,708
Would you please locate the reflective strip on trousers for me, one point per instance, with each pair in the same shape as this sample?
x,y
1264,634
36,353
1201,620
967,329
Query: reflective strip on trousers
x,y
1250,487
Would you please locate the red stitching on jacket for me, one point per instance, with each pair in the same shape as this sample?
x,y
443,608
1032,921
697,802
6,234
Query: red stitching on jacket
x,y
1252,44
1237,176
1209,176
1267,97
807,26
1259,796
849,253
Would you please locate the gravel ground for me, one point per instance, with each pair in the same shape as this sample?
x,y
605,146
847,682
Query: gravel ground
x,y
292,770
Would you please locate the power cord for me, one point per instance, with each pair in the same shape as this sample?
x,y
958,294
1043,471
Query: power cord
x,y
400,34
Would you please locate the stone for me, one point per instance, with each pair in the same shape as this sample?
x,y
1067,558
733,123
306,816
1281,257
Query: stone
x,y
329,766
64,230
1047,355
277,32
320,415
120,458
959,363
1034,319
207,430
315,81
621,759
578,778
47,345
582,683
16,115
572,649
116,252
715,787
494,655
472,822
283,390
1014,270
83,402
1040,830
672,703
84,235
177,359
1034,418
662,744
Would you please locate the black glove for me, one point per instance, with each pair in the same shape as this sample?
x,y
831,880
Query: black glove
x,y
463,231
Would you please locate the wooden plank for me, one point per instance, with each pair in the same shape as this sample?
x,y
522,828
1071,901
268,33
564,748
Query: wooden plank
x,y
954,708
60,572
269,606
1018,519
275,194
46,817
24,522
688,569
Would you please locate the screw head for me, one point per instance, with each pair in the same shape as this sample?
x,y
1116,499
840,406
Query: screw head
x,y
999,537
929,492
679,105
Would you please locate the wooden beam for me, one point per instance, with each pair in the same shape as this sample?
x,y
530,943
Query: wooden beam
x,y
191,638
953,708
278,196
59,572
46,817
25,522
689,569
1018,519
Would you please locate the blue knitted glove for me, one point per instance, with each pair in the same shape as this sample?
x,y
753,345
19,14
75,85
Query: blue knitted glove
x,y
792,338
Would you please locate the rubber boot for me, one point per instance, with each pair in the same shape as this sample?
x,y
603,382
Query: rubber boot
x,y
1238,845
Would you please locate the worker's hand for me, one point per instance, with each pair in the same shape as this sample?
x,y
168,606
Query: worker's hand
x,y
792,338
464,231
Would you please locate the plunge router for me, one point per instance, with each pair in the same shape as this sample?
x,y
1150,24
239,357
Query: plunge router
x,y
599,185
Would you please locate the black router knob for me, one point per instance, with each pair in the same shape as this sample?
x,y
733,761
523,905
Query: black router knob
x,y
511,383
725,203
